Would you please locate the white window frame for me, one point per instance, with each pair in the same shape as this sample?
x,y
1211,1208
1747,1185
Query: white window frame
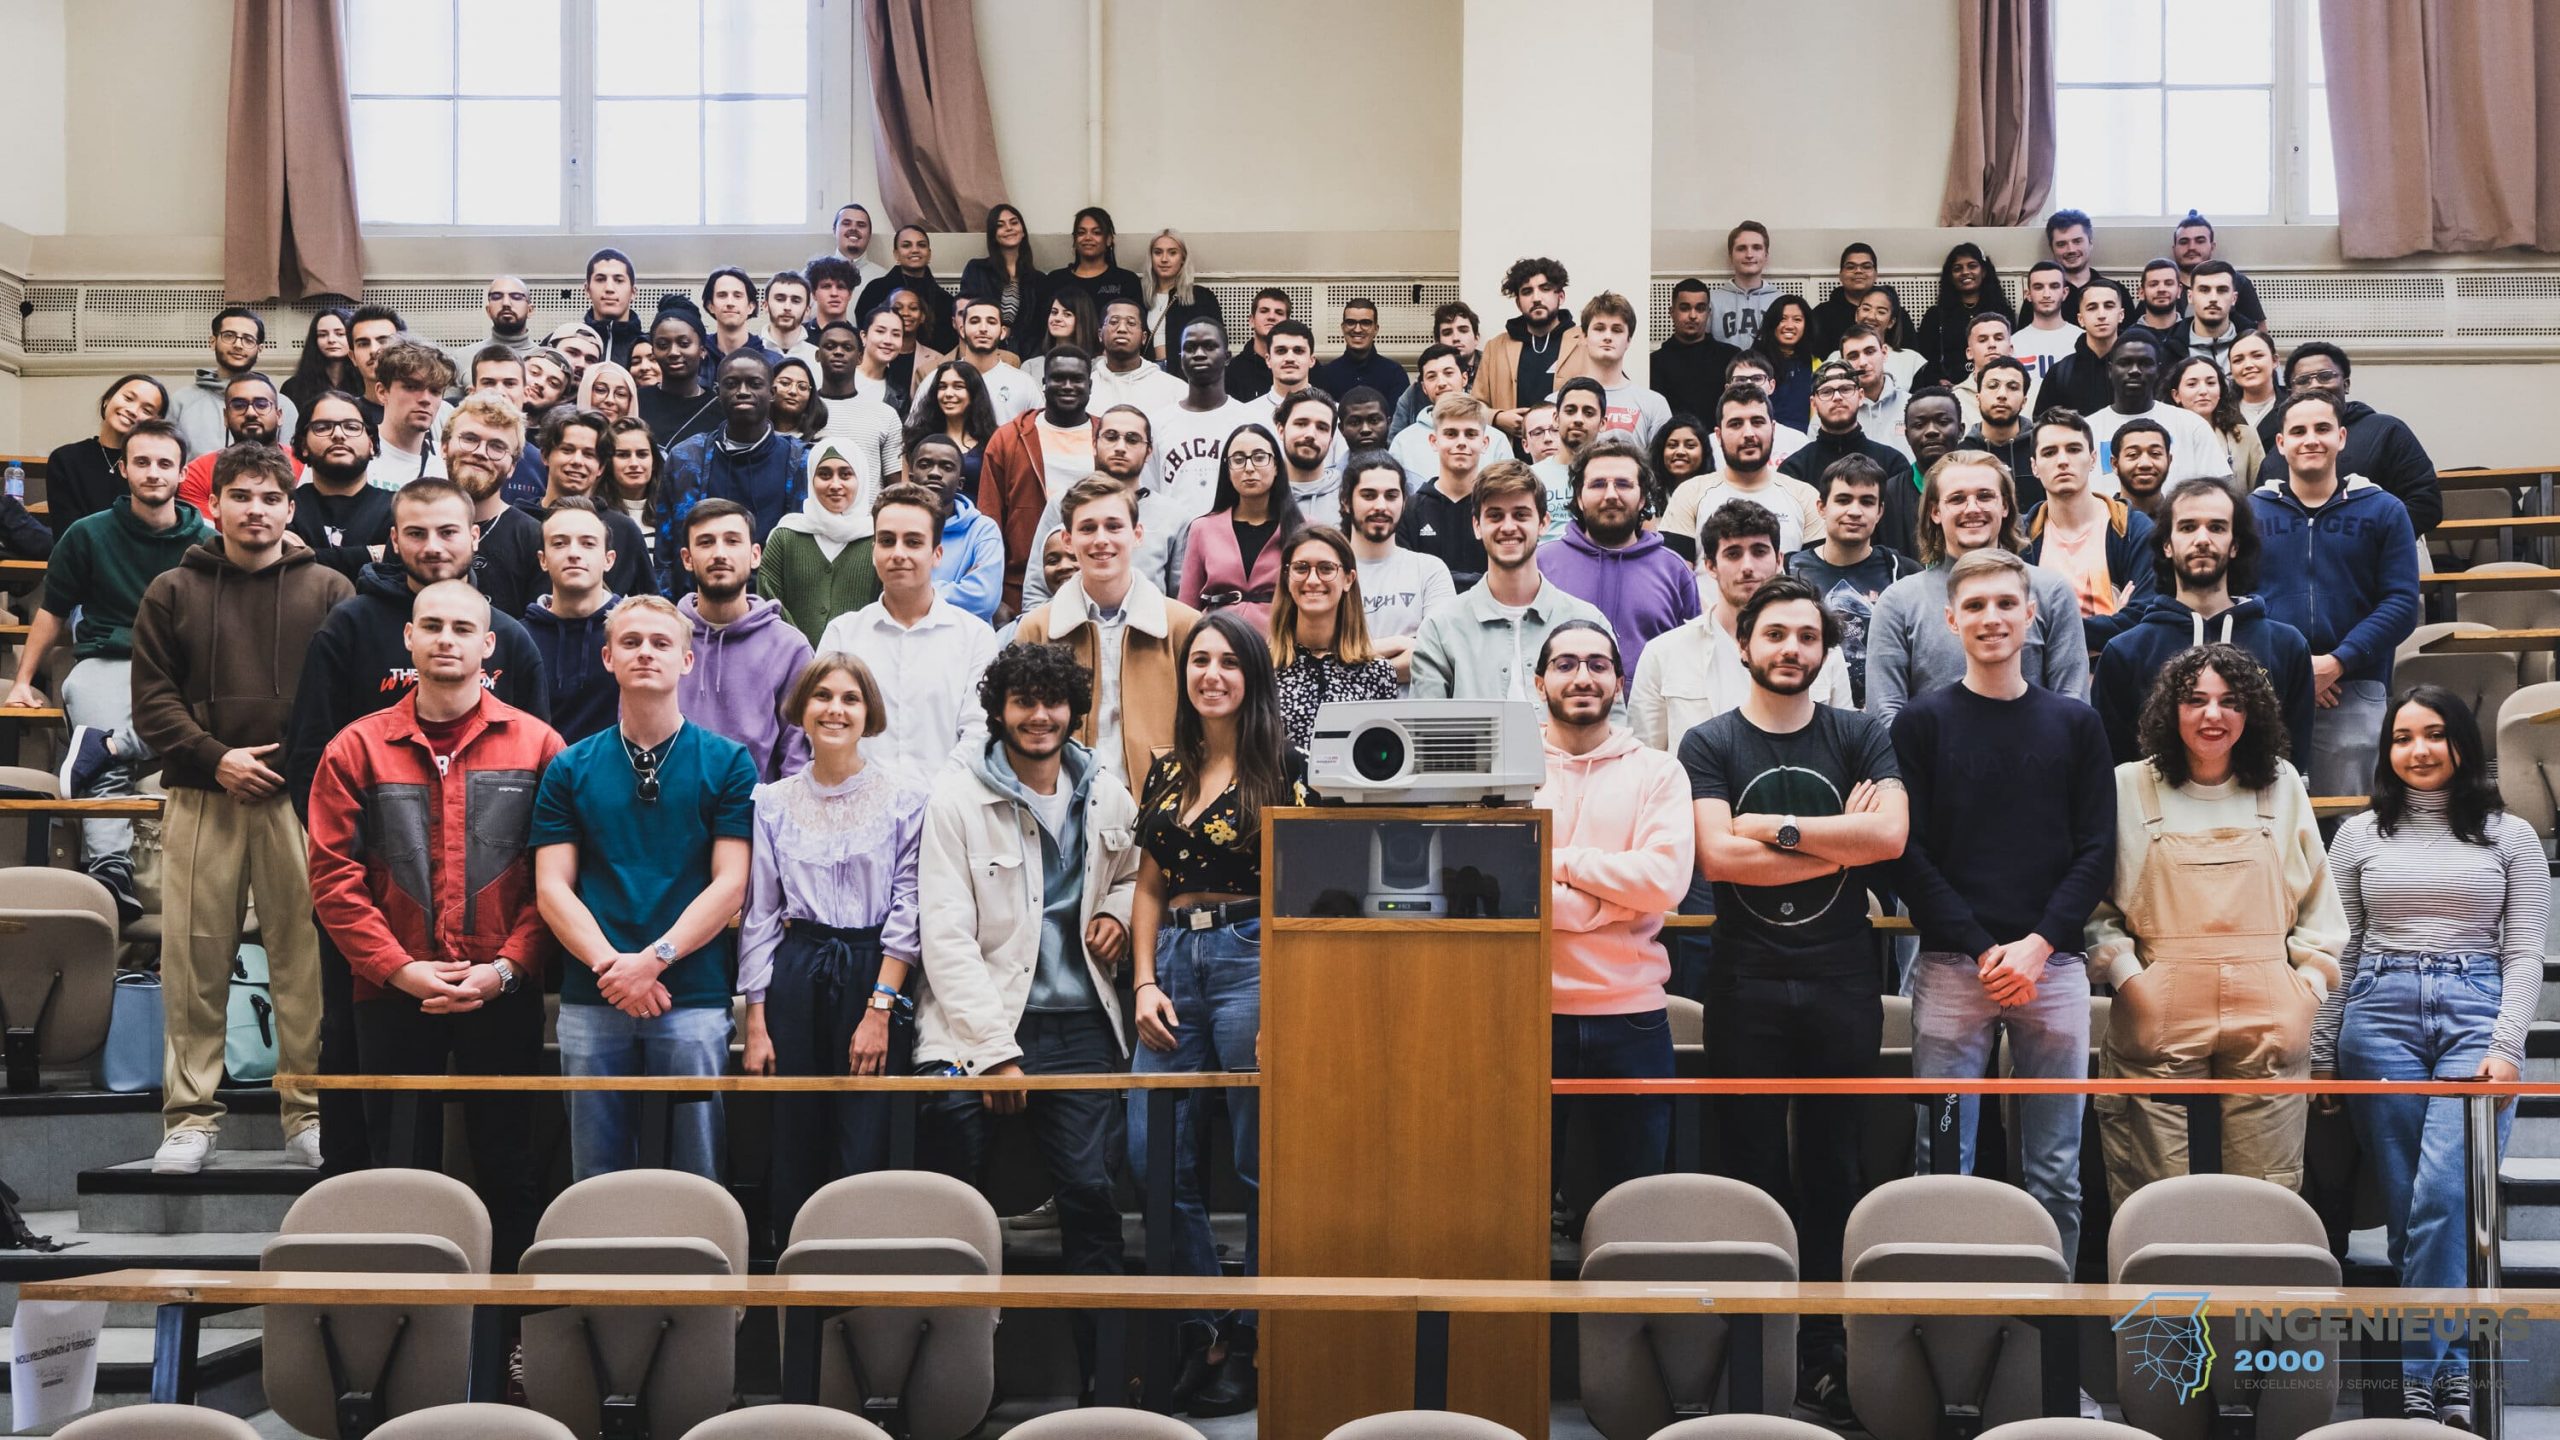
x,y
2288,119
829,101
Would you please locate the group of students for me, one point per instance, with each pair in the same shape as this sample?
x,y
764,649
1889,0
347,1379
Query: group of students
x,y
966,716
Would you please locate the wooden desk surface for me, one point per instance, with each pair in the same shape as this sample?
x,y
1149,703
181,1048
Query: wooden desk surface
x,y
2537,578
110,805
2513,477
23,567
1264,1292
2325,806
29,712
734,1084
2519,524
2490,642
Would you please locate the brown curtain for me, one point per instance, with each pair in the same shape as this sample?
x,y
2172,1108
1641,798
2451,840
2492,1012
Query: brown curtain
x,y
2445,117
931,128
289,229
2000,171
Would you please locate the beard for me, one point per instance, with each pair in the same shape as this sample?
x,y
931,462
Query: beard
x,y
721,591
334,476
1797,685
1608,535
2214,574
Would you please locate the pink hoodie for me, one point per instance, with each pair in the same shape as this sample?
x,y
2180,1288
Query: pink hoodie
x,y
1624,846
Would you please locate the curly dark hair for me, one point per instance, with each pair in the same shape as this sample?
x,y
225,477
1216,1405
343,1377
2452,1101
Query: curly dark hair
x,y
2263,739
1044,673
1529,268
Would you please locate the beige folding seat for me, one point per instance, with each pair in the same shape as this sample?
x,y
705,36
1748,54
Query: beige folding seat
x,y
786,1422
928,1374
1102,1422
1642,1372
57,970
474,1422
2194,1232
1423,1425
665,1368
342,1370
1743,1427
2529,756
1907,1378
157,1422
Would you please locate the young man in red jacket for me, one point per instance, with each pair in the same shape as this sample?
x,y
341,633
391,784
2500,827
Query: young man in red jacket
x,y
422,874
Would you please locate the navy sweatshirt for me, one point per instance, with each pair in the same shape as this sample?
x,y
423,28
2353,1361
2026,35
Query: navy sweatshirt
x,y
2013,818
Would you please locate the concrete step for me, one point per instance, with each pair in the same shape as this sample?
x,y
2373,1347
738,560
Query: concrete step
x,y
76,1130
86,1254
238,1191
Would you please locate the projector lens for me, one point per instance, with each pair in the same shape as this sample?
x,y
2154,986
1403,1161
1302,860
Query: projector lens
x,y
1377,754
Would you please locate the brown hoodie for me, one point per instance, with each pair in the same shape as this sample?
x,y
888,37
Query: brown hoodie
x,y
217,655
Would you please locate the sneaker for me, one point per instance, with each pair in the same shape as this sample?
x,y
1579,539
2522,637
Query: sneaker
x,y
84,760
117,876
182,1152
303,1148
1043,1216
2089,1407
1825,1392
2417,1404
2453,1399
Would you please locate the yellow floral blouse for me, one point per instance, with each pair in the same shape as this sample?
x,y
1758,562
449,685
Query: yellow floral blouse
x,y
1216,853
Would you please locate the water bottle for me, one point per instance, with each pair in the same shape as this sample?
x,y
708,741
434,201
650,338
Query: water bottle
x,y
14,481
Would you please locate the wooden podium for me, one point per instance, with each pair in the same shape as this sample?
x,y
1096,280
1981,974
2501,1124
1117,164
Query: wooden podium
x,y
1404,1106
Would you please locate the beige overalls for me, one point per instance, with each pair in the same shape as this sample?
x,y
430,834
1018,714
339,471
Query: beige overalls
x,y
2217,998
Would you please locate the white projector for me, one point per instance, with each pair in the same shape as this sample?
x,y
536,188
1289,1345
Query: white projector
x,y
1427,752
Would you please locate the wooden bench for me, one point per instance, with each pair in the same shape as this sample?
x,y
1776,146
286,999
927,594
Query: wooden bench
x,y
2539,578
185,1297
2512,477
2490,642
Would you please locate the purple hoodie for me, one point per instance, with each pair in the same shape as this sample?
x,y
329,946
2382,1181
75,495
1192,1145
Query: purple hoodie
x,y
741,672
1644,589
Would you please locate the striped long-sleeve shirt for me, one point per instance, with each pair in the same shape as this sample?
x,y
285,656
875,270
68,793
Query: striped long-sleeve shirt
x,y
2421,891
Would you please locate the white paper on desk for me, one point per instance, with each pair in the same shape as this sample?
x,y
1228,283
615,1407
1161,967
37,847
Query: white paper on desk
x,y
53,1360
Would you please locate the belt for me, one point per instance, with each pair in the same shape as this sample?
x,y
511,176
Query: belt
x,y
1212,917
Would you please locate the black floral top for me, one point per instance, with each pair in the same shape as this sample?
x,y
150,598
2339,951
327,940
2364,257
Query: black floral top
x,y
1216,853
1315,677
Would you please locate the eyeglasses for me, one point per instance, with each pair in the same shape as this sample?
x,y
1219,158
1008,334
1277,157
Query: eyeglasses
x,y
1598,667
1252,459
1836,388
486,445
1314,569
238,337
2317,377
252,404
337,427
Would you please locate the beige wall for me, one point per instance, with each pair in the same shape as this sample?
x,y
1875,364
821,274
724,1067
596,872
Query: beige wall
x,y
31,163
153,83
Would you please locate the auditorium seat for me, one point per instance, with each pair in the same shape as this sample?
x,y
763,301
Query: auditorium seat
x,y
157,1422
26,781
475,1422
2513,610
786,1422
57,969
2189,1232
1642,1372
671,1367
1102,1422
2529,756
2065,1428
1423,1425
2380,1430
931,1373
316,1357
1905,1377
1744,1427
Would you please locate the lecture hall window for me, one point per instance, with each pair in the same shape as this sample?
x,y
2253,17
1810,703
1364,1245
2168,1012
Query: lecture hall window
x,y
582,115
2163,106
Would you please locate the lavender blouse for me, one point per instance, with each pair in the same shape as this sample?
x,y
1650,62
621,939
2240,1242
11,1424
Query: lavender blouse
x,y
842,857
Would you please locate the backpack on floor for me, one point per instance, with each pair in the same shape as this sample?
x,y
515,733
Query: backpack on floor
x,y
249,1048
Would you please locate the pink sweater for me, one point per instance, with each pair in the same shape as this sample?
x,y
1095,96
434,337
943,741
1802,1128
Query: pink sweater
x,y
1624,848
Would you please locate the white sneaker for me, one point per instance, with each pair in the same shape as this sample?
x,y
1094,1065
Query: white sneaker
x,y
303,1148
2089,1407
182,1152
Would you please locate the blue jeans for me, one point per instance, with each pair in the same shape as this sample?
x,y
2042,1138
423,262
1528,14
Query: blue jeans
x,y
2421,1017
1214,979
600,1040
2346,739
1954,1023
1630,1135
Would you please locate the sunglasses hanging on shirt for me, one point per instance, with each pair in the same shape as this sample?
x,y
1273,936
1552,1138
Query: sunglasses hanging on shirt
x,y
645,763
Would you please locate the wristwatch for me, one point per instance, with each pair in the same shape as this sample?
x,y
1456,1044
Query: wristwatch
x,y
882,1001
508,979
1789,837
664,952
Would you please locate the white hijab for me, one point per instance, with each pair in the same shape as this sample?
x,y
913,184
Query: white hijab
x,y
832,531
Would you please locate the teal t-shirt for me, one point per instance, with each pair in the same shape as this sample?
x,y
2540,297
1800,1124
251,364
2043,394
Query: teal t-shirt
x,y
641,862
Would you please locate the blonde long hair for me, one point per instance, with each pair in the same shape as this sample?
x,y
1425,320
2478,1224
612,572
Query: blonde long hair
x,y
1350,616
1183,279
